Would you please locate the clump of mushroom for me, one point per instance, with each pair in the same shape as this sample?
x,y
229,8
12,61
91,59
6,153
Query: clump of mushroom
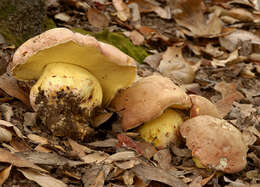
x,y
76,76
215,143
146,102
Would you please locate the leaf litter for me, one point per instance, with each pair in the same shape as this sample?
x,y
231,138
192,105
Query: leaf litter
x,y
210,48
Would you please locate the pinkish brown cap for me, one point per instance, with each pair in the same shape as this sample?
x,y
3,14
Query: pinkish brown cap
x,y
104,61
215,143
147,98
203,106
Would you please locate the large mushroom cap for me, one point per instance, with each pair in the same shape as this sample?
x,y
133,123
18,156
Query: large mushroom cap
x,y
147,98
215,143
113,69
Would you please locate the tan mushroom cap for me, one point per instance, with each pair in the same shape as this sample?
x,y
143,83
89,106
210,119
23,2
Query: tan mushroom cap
x,y
60,45
215,143
203,106
146,99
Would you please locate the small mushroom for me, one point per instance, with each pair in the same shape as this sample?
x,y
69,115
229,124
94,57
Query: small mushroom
x,y
76,75
146,100
202,106
215,143
162,130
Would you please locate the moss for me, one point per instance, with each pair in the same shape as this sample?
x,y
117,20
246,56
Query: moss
x,y
23,19
119,41
123,43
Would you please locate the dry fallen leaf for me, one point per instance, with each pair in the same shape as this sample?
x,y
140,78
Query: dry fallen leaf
x,y
97,18
232,41
232,58
164,158
229,95
157,174
127,164
43,180
47,158
79,150
123,11
94,158
62,17
10,86
121,156
5,135
136,38
4,174
16,130
174,66
8,157
112,142
37,139
190,14
146,6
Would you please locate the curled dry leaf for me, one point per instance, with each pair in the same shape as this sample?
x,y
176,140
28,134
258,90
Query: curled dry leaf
x,y
10,86
8,157
232,58
146,6
62,17
229,95
78,149
157,174
174,66
16,130
5,135
43,180
190,14
4,174
240,14
121,156
97,18
37,139
232,41
123,12
94,158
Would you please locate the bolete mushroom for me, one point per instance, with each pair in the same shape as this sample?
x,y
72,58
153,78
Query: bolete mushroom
x,y
215,143
202,106
75,73
145,101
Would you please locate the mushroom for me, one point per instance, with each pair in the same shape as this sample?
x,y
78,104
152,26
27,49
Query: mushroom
x,y
215,143
202,106
76,75
162,130
146,100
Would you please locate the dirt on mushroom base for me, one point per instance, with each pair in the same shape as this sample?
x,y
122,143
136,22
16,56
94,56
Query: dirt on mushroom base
x,y
68,111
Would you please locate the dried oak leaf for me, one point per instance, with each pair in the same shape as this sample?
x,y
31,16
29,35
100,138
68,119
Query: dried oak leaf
x,y
10,86
148,6
97,18
191,15
4,174
43,180
123,11
157,174
8,157
174,66
229,95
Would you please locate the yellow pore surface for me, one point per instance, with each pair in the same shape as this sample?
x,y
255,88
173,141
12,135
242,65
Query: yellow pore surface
x,y
111,76
162,130
69,79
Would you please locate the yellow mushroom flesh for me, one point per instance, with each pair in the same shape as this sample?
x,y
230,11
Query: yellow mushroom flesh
x,y
65,95
162,130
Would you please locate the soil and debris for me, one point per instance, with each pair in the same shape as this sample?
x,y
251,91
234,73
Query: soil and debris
x,y
208,47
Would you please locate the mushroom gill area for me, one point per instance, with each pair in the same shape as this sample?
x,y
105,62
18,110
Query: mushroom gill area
x,y
65,97
110,75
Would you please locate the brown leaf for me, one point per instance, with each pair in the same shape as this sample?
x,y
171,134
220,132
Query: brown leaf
x,y
146,6
5,135
94,158
37,139
47,158
121,156
136,38
164,158
229,95
78,149
157,174
8,157
154,60
16,130
10,86
105,143
99,181
190,14
43,180
62,17
123,12
232,58
174,66
127,164
97,19
4,174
